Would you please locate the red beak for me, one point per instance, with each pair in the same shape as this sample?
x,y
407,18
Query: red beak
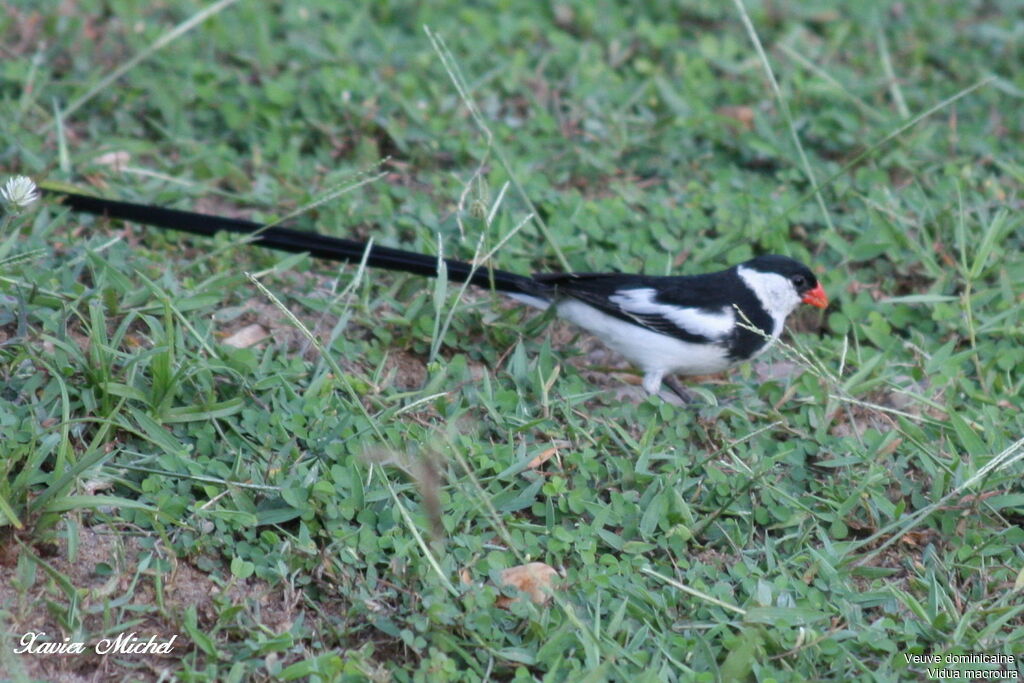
x,y
816,297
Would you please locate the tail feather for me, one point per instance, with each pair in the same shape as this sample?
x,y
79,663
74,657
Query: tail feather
x,y
320,246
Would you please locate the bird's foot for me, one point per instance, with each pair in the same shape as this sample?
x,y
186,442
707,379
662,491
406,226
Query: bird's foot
x,y
678,394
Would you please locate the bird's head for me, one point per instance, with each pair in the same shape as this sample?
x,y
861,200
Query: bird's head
x,y
782,284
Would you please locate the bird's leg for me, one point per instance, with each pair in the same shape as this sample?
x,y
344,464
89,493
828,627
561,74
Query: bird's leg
x,y
673,383
652,382
677,395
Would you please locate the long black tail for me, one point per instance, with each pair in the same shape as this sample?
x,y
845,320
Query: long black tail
x,y
288,239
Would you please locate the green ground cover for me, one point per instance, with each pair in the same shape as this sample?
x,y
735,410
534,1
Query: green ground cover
x,y
339,500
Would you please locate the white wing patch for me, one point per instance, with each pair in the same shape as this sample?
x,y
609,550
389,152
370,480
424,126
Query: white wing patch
x,y
653,352
701,322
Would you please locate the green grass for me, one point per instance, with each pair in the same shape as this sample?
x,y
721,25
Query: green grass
x,y
339,500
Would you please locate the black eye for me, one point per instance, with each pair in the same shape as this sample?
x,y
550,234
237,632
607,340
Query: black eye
x,y
799,280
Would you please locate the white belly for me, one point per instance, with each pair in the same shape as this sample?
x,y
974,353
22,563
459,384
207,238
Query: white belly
x,y
648,350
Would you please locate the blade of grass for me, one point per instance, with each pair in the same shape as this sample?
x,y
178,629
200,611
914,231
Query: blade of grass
x,y
899,528
828,78
890,75
693,591
784,108
104,83
886,140
455,74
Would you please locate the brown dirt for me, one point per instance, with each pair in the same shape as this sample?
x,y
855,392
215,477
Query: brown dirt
x,y
36,607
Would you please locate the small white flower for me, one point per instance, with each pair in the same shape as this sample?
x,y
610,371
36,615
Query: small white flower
x,y
19,192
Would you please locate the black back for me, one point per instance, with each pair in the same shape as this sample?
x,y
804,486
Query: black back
x,y
710,293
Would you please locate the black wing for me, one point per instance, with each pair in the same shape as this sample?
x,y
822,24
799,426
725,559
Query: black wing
x,y
689,308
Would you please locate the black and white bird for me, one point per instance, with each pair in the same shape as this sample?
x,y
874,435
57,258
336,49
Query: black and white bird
x,y
687,324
